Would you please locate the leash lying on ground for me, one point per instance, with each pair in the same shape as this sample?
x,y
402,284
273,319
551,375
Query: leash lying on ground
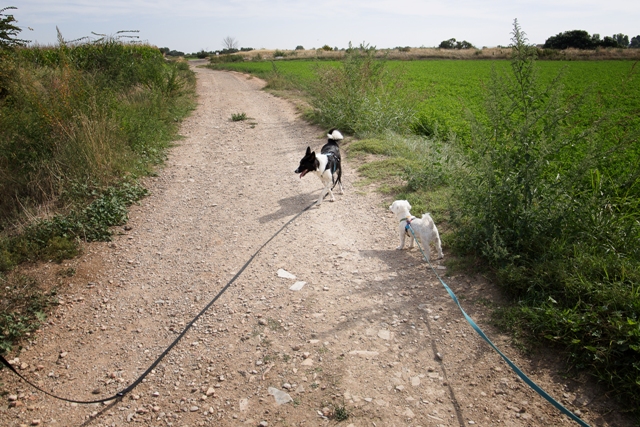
x,y
133,385
517,370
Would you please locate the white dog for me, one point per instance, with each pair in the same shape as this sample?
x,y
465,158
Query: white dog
x,y
424,228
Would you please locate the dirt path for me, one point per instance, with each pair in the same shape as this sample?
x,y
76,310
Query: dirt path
x,y
362,335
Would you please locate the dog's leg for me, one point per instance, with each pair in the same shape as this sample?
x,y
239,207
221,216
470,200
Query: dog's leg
x,y
436,238
402,233
326,190
412,238
340,180
326,180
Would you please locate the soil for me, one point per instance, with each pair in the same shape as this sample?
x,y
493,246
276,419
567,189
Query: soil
x,y
371,339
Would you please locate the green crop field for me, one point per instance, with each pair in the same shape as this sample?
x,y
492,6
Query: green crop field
x,y
448,90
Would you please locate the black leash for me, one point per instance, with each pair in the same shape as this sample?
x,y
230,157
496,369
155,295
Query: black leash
x,y
133,385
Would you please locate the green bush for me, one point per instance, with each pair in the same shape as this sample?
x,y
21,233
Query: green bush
x,y
218,59
360,96
87,113
555,212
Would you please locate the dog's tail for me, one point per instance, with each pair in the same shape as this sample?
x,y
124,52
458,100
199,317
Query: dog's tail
x,y
427,217
335,135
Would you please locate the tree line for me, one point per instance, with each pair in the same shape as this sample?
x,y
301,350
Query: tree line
x,y
580,39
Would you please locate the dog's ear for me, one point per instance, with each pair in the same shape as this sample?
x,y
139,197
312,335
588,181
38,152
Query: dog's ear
x,y
308,151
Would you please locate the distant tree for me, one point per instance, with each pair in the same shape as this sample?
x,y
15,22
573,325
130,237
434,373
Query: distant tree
x,y
326,47
464,45
448,44
454,44
8,31
202,54
621,39
230,43
635,42
578,39
165,50
608,42
299,47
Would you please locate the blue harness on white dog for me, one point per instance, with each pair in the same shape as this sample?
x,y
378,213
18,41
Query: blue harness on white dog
x,y
408,224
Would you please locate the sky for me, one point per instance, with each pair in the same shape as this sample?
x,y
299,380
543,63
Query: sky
x,y
195,25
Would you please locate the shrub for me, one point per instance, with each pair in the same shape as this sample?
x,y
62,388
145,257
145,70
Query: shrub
x,y
360,96
558,221
84,114
226,58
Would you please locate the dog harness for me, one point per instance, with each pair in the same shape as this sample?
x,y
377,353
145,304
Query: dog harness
x,y
408,224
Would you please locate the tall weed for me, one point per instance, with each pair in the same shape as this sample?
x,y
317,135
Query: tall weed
x,y
360,96
555,213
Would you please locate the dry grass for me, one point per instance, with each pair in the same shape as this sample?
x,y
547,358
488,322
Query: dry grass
x,y
436,53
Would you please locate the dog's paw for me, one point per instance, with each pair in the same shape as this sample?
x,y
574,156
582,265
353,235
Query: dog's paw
x,y
399,248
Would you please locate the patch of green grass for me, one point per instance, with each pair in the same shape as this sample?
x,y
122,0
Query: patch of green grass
x,y
382,170
58,238
340,413
378,146
23,308
238,117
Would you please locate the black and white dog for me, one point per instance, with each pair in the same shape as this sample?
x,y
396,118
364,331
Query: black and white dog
x,y
326,165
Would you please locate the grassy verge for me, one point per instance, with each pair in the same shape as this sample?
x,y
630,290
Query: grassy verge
x,y
81,124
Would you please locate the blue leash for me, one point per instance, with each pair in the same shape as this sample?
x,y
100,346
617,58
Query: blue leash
x,y
515,369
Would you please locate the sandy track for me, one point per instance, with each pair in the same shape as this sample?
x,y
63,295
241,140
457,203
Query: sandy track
x,y
363,333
